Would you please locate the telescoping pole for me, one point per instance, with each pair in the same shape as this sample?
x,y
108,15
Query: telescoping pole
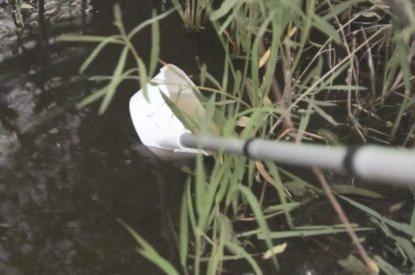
x,y
369,162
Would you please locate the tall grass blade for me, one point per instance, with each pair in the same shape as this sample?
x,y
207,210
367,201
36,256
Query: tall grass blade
x,y
147,251
307,233
262,223
117,78
340,8
225,7
402,227
95,53
90,38
239,250
155,46
93,97
184,231
273,170
322,25
149,22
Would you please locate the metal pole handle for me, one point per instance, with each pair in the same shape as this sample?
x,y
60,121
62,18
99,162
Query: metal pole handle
x,y
374,163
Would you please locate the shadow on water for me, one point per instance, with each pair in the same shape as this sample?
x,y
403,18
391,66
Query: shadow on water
x,y
67,174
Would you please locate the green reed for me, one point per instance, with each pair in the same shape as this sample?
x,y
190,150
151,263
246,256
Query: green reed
x,y
292,74
192,12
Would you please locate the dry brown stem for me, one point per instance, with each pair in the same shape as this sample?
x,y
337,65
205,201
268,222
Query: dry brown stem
x,y
343,218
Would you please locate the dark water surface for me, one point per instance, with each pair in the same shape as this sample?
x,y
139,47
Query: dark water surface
x,y
66,175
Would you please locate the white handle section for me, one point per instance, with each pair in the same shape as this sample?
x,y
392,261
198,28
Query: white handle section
x,y
211,143
282,152
299,154
374,163
385,164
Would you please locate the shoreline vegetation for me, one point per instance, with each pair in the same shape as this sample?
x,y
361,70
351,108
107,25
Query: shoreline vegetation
x,y
322,71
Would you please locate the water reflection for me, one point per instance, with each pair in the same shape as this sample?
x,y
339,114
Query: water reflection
x,y
67,174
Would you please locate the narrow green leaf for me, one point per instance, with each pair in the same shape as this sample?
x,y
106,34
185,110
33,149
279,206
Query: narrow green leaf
x,y
304,123
324,115
148,22
412,220
307,233
101,92
225,7
93,97
282,207
346,189
315,72
184,231
353,265
235,249
89,38
339,8
325,27
95,53
200,187
149,252
273,170
117,14
262,223
155,46
402,50
178,6
386,267
112,87
345,88
402,227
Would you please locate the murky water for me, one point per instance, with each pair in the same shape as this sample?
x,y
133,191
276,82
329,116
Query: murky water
x,y
66,175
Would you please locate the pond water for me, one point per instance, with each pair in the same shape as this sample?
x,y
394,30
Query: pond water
x,y
67,175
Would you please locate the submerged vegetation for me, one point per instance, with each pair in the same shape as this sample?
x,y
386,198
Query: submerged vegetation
x,y
321,71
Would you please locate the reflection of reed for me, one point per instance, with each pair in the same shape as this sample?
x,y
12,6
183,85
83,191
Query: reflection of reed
x,y
41,8
64,15
32,48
